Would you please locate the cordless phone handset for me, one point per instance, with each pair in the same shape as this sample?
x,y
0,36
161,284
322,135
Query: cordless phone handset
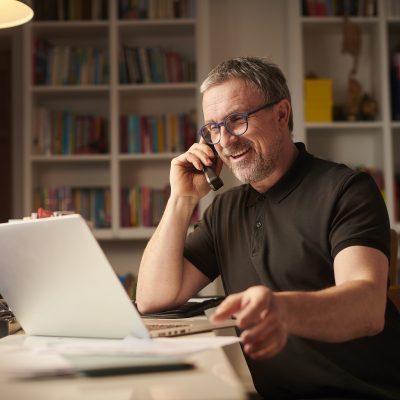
x,y
213,180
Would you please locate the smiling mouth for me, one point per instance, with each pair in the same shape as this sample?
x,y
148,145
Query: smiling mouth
x,y
239,155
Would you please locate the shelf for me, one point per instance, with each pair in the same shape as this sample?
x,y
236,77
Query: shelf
x,y
136,233
70,158
393,20
62,25
103,234
154,87
75,89
324,20
183,26
147,156
108,100
317,45
357,125
395,125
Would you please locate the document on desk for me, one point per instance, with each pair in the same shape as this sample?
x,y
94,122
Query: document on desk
x,y
38,357
131,346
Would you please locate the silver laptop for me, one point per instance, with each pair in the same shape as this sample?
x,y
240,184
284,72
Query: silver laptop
x,y
58,282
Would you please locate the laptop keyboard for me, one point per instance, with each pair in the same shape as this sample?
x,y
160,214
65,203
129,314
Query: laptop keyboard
x,y
156,326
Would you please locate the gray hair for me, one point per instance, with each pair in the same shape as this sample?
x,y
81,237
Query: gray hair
x,y
258,73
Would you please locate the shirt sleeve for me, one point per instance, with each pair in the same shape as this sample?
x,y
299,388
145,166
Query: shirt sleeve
x,y
360,216
199,247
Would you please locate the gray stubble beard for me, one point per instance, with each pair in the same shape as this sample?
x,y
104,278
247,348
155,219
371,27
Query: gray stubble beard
x,y
259,167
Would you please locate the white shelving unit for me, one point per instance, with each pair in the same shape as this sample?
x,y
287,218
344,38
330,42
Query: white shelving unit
x,y
109,100
315,46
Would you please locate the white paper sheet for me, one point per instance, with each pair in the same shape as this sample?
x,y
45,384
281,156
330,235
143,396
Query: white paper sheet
x,y
131,346
23,362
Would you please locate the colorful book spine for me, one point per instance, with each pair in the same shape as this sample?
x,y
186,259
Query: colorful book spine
x,y
154,65
142,206
70,10
94,204
65,132
156,9
69,65
156,134
338,8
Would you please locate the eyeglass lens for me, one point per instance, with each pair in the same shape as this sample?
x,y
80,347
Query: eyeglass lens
x,y
236,124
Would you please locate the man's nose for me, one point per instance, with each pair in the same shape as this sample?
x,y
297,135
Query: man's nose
x,y
226,137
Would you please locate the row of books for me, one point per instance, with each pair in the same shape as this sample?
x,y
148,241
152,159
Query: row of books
x,y
144,206
94,204
157,134
353,8
156,9
70,10
65,132
69,65
154,65
395,85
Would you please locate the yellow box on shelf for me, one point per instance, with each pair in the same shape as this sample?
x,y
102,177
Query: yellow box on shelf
x,y
318,100
319,115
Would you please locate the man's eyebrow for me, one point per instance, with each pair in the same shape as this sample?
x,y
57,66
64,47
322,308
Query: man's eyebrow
x,y
227,115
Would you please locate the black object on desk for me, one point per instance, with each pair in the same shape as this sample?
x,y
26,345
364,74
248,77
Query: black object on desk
x,y
7,320
138,367
191,308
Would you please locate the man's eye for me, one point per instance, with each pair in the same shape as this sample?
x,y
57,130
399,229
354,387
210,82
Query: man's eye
x,y
236,119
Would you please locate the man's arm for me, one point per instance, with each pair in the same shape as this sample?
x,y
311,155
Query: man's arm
x,y
166,278
353,308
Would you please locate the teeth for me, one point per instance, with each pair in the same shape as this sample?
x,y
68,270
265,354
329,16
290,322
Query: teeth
x,y
238,154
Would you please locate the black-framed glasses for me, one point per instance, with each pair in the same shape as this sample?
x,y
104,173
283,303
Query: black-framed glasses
x,y
236,124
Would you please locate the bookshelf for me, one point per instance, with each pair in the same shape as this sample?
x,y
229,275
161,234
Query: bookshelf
x,y
110,98
315,46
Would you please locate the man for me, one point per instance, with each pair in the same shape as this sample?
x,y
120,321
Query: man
x,y
301,246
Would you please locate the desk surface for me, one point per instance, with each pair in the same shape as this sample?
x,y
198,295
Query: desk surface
x,y
212,378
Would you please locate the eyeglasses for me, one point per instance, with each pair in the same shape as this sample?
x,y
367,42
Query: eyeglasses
x,y
236,124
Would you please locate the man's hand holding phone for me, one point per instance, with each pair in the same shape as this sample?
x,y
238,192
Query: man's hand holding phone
x,y
187,176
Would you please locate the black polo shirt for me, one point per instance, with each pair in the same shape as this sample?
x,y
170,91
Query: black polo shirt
x,y
286,239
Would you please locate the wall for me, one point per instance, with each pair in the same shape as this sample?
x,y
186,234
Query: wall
x,y
247,28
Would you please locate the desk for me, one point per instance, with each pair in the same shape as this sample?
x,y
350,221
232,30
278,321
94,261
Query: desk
x,y
213,378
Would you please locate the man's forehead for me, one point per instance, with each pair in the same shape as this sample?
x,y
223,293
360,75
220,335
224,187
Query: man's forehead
x,y
229,96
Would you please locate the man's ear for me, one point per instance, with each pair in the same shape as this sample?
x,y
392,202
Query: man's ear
x,y
283,111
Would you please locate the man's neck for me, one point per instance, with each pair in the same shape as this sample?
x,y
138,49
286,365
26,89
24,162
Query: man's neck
x,y
288,159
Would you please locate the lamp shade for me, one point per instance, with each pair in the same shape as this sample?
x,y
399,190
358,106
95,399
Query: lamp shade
x,y
13,13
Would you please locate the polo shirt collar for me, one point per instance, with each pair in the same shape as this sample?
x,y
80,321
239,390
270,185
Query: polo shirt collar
x,y
288,182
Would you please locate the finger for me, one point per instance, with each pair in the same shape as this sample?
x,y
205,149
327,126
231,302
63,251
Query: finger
x,y
268,346
252,312
227,308
200,156
260,331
